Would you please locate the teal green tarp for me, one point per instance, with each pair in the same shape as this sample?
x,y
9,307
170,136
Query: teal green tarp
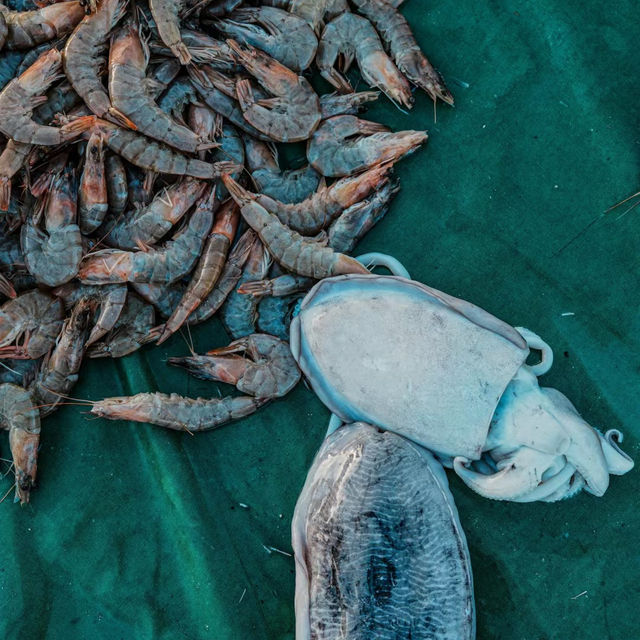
x,y
136,532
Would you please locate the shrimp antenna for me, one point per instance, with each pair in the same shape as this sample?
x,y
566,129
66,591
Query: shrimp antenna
x,y
633,206
8,368
11,488
62,395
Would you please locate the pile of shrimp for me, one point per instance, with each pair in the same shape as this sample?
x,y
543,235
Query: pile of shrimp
x,y
140,188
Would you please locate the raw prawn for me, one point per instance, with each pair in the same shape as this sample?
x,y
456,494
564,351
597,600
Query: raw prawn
x,y
209,266
128,91
53,256
314,213
59,371
350,36
167,264
117,188
22,95
93,201
294,111
108,299
305,256
147,225
146,153
134,328
85,56
282,35
345,145
36,317
259,365
337,104
22,420
397,35
26,29
239,313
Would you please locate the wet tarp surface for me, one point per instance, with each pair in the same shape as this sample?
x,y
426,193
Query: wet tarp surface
x,y
137,532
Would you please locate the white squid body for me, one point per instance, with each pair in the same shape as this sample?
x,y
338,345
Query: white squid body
x,y
446,374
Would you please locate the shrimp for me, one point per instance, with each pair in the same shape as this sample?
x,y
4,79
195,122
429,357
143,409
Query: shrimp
x,y
176,98
221,103
315,11
284,36
231,273
139,193
210,264
167,264
93,200
144,227
85,56
397,35
355,221
278,287
22,420
26,29
265,367
345,145
165,13
60,99
22,95
337,104
175,412
53,256
12,159
146,153
203,48
294,111
134,329
129,95
59,371
305,256
239,314
290,186
275,313
117,188
350,36
36,317
108,299
314,213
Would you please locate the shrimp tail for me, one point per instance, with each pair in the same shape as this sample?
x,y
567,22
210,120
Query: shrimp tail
x,y
80,125
119,118
5,193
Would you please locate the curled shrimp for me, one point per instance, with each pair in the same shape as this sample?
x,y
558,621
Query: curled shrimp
x,y
19,416
291,186
284,36
176,412
144,227
134,328
19,98
36,317
293,112
93,201
314,213
26,29
53,255
350,36
305,256
210,264
85,56
146,153
167,264
345,145
109,300
337,104
166,14
128,60
397,35
239,314
259,365
117,188
231,274
59,371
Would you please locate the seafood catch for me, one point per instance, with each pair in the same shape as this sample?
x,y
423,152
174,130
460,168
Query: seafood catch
x,y
379,549
454,379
